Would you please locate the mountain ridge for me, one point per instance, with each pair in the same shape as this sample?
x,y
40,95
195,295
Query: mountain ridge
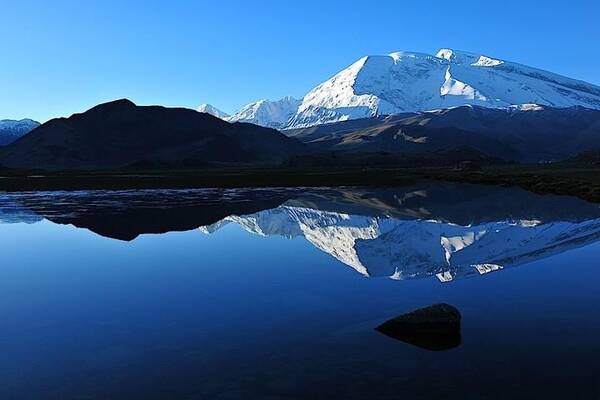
x,y
402,81
271,114
120,134
210,109
524,134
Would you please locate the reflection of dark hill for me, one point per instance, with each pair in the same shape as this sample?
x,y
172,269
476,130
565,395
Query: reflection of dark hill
x,y
436,327
126,214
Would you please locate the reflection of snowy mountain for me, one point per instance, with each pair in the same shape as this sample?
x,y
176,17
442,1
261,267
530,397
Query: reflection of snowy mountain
x,y
407,249
427,229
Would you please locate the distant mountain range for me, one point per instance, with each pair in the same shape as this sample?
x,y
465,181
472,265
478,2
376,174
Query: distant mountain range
x,y
271,114
11,130
412,82
120,134
448,107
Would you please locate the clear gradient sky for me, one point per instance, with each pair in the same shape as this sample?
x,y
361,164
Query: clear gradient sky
x,y
60,57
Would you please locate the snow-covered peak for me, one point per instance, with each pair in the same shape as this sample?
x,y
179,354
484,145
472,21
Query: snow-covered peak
x,y
464,57
457,56
272,114
406,81
413,82
399,55
446,54
25,123
209,109
11,130
485,61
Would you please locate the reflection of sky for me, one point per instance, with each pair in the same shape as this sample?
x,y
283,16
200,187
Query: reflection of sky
x,y
81,312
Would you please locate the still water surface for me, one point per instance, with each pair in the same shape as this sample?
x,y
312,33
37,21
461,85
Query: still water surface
x,y
275,293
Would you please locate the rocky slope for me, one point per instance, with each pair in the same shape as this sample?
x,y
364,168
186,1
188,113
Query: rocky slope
x,y
523,134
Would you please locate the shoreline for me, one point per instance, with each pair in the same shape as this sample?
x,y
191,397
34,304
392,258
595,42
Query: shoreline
x,y
582,182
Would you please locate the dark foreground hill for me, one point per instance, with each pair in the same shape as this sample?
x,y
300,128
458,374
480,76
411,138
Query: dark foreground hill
x,y
120,134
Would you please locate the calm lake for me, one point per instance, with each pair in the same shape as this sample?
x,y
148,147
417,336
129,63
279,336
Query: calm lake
x,y
276,293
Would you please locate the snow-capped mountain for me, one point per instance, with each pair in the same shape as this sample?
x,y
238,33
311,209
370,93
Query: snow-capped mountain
x,y
413,82
410,82
410,249
272,114
215,112
11,130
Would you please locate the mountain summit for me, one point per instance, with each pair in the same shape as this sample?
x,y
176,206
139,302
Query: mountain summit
x,y
413,82
215,112
272,114
268,113
410,82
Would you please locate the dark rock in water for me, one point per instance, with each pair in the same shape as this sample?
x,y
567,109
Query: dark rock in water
x,y
436,327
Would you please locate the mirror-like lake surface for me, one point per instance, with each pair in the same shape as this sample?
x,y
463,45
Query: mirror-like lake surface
x,y
276,293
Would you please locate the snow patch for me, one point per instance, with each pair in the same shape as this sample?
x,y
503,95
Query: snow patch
x,y
209,109
271,114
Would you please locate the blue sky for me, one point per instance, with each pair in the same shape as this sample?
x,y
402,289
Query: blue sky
x,y
62,57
